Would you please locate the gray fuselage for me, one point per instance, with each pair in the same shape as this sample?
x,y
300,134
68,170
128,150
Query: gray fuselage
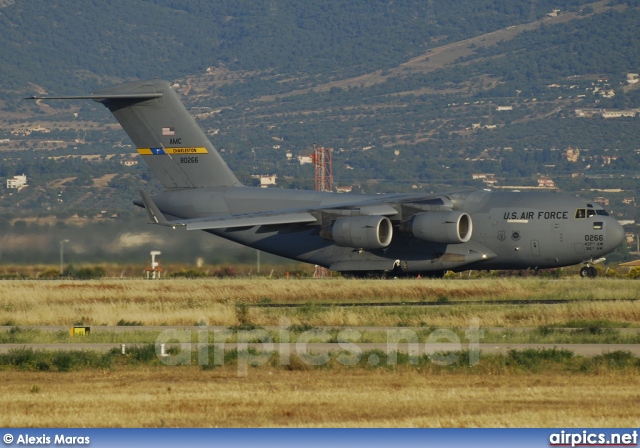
x,y
511,230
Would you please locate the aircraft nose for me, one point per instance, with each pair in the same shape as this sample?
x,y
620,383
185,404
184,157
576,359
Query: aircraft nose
x,y
615,233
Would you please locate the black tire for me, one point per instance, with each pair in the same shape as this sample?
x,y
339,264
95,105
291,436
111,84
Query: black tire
x,y
584,272
593,272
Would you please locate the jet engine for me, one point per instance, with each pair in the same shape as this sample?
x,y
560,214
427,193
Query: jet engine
x,y
440,227
362,232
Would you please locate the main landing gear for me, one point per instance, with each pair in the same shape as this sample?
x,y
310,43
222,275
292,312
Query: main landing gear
x,y
589,271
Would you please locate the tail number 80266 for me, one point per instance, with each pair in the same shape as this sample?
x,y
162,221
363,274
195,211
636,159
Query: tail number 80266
x,y
594,238
189,159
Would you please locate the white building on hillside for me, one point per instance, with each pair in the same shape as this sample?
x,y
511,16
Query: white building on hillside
x,y
265,181
17,181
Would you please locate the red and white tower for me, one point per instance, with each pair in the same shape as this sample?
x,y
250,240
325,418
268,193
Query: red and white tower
x,y
323,165
322,162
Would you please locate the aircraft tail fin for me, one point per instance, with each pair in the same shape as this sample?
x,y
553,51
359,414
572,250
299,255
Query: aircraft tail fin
x,y
166,135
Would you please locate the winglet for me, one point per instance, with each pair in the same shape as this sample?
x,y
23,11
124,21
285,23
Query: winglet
x,y
155,215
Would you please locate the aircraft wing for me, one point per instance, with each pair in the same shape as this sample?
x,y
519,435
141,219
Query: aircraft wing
x,y
226,221
288,216
248,220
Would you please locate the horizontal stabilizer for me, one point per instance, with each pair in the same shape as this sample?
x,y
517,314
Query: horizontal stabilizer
x,y
118,96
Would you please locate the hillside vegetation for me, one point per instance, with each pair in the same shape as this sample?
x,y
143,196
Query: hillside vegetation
x,y
58,45
407,93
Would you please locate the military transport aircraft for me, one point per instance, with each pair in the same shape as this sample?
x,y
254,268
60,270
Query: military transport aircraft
x,y
396,234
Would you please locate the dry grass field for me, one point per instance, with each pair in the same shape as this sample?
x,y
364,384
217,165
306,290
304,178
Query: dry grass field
x,y
570,393
229,302
189,397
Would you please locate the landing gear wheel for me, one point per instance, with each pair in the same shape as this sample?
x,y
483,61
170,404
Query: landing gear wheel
x,y
588,271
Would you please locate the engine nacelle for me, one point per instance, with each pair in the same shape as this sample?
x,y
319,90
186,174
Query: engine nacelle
x,y
360,232
440,227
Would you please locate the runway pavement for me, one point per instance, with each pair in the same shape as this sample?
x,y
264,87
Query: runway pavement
x,y
398,344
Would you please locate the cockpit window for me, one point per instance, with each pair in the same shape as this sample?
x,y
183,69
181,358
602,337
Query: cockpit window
x,y
591,213
581,213
602,213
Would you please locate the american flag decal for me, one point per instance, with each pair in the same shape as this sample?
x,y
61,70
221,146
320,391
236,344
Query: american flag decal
x,y
168,131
